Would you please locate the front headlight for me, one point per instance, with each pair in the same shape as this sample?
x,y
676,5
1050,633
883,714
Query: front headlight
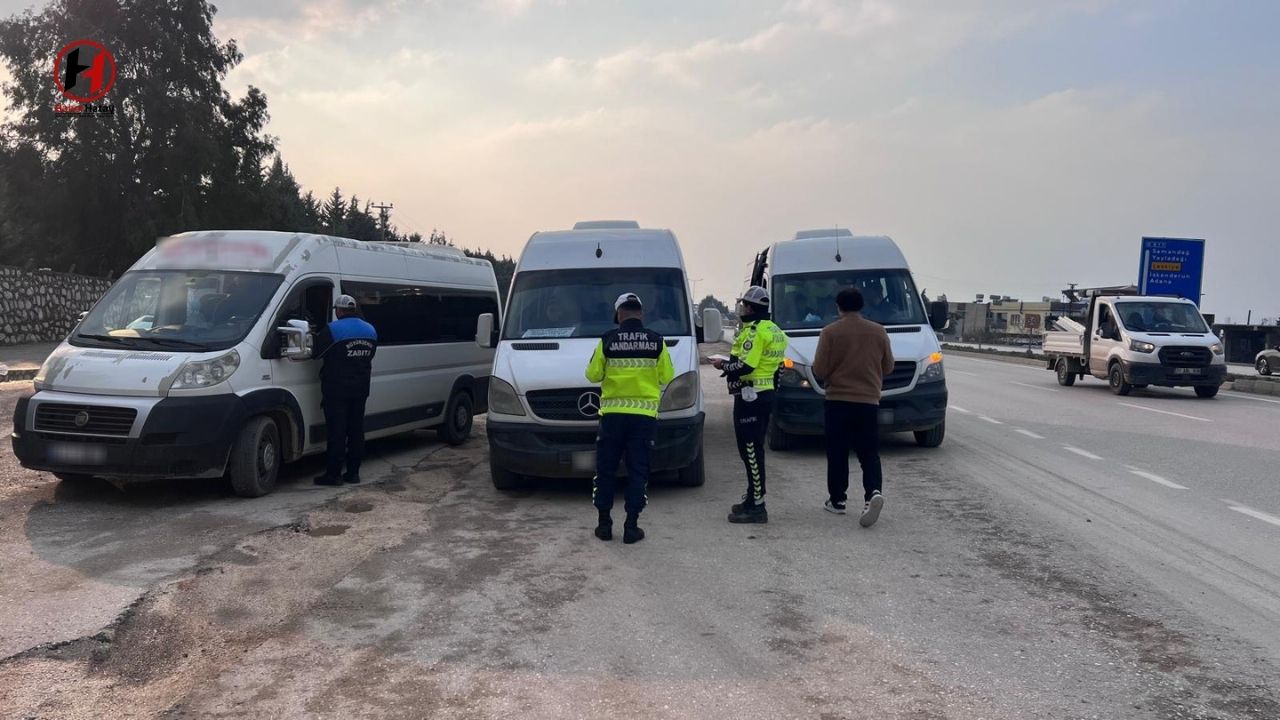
x,y
794,376
933,372
1142,347
503,399
1217,348
681,393
206,373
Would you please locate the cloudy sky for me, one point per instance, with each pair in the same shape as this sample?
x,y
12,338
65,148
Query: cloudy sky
x,y
1009,146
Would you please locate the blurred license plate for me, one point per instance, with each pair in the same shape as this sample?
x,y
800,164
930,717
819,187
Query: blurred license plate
x,y
584,461
886,417
76,454
1188,371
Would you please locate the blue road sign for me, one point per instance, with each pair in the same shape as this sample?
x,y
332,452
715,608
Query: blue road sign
x,y
1171,266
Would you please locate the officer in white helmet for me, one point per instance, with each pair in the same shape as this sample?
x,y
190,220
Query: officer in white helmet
x,y
757,352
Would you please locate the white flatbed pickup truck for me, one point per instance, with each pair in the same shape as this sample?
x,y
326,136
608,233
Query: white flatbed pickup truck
x,y
1138,341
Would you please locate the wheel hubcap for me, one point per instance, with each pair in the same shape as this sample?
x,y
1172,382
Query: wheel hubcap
x,y
460,418
268,457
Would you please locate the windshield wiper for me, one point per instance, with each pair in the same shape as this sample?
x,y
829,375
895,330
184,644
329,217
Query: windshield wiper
x,y
106,338
177,342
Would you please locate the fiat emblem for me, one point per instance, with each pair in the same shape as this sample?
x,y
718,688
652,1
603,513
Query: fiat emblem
x,y
82,418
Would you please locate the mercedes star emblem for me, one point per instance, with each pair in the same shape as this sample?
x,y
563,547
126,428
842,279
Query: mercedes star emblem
x,y
589,404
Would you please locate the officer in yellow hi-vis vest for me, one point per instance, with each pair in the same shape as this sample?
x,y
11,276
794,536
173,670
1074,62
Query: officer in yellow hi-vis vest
x,y
632,365
757,352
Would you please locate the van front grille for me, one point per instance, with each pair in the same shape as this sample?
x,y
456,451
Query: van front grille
x,y
1190,357
84,419
902,375
564,404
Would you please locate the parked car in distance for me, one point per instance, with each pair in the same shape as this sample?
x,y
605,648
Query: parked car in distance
x,y
1268,361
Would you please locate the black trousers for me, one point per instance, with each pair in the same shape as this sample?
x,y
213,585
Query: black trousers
x,y
856,427
344,432
623,434
750,427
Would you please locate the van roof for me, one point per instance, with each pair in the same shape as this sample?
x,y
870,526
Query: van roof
x,y
606,225
618,247
287,253
816,251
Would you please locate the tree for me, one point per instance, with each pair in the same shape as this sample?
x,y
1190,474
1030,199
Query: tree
x,y
439,238
712,302
178,154
333,216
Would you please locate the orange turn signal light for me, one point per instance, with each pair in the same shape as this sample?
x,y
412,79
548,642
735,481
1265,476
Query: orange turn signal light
x,y
788,364
936,357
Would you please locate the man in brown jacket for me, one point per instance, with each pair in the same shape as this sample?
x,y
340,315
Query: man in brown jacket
x,y
852,361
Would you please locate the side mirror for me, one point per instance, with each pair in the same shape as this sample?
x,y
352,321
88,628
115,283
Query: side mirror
x,y
83,314
484,330
296,342
712,325
939,315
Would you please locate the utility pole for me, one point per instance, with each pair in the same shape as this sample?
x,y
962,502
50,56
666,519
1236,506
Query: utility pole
x,y
384,217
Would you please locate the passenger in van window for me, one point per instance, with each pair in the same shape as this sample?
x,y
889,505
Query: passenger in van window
x,y
347,346
632,364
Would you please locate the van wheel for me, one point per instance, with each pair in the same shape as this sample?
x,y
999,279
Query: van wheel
x,y
255,458
780,440
1066,378
458,419
695,474
1207,391
932,437
1115,378
504,479
1264,367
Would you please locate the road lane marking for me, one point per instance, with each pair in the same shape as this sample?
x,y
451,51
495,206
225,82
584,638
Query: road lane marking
x,y
1034,387
1241,395
1155,478
1166,412
1256,514
1081,453
993,421
1029,434
959,409
961,372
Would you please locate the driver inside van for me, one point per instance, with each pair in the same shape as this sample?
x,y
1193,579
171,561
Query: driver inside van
x,y
876,308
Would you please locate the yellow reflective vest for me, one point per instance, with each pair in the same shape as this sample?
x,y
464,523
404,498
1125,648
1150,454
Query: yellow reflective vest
x,y
757,352
632,365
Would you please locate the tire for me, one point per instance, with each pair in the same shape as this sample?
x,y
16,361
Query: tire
x,y
1066,378
504,479
1264,366
1206,391
1115,378
255,459
459,416
932,437
778,439
694,474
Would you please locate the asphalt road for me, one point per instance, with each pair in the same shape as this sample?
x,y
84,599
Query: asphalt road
x,y
1012,576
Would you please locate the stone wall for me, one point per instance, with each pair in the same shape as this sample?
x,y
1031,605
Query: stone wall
x,y
41,306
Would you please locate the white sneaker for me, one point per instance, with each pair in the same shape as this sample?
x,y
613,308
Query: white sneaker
x,y
871,511
834,507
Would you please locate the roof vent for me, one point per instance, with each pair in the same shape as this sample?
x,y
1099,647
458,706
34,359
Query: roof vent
x,y
833,232
607,225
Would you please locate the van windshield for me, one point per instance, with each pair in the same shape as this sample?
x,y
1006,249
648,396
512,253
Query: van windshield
x,y
196,310
1160,317
579,303
807,301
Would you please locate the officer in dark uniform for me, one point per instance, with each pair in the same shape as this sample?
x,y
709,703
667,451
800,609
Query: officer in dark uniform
x,y
632,365
347,346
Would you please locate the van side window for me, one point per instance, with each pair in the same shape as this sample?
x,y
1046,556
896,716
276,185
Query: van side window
x,y
1105,322
312,301
417,315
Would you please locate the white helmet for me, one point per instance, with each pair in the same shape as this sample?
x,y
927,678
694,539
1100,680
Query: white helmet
x,y
757,296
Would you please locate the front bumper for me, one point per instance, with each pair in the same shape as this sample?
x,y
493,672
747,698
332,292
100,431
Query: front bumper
x,y
1163,376
799,411
550,451
181,437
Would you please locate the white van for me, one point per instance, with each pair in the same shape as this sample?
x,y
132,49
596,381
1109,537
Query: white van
x,y
543,413
803,276
197,362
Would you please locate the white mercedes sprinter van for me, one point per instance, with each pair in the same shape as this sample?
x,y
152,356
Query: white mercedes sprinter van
x,y
197,362
543,414
803,276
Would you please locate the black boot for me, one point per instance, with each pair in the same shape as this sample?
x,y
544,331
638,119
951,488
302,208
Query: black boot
x,y
749,512
631,532
604,529
746,503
